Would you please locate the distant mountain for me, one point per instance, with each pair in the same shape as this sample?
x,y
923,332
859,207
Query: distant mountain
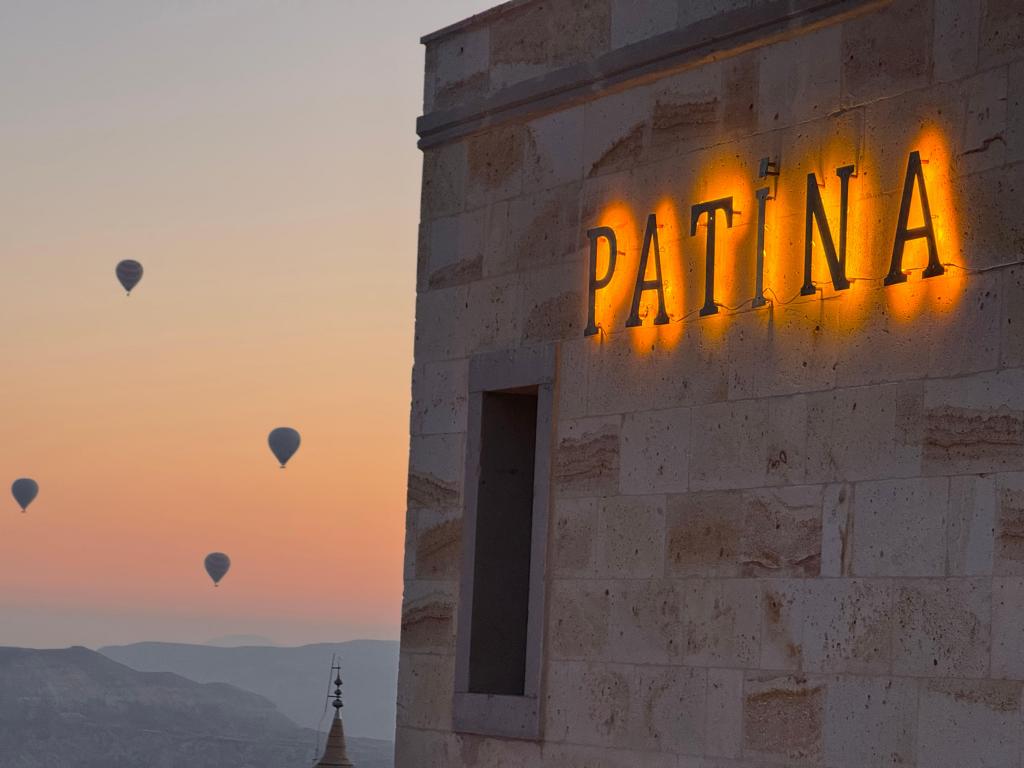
x,y
295,679
238,641
75,708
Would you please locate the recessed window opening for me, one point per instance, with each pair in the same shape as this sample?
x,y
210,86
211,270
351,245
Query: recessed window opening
x,y
504,529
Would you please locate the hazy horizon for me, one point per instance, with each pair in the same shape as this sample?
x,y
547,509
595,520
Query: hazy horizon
x,y
260,160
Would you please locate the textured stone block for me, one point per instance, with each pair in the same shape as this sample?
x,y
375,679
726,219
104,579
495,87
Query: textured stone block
x,y
944,628
633,534
1015,114
573,378
782,533
590,704
870,721
1002,32
837,530
1008,629
847,626
424,749
435,472
544,228
428,617
724,713
969,723
493,314
444,180
554,150
787,440
579,619
636,20
462,68
974,424
1008,545
900,528
616,131
686,111
971,526
783,717
587,457
733,451
672,709
575,538
645,622
655,451
792,90
841,423
984,142
552,299
558,755
425,687
439,397
440,324
721,623
456,253
494,165
957,28
705,533
784,605
438,544
887,54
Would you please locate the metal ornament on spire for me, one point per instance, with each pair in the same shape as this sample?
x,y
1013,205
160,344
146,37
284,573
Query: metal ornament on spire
x,y
335,754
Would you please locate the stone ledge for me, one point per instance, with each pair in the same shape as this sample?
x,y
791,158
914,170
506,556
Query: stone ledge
x,y
726,33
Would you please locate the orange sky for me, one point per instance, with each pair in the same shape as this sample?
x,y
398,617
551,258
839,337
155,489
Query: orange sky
x,y
259,158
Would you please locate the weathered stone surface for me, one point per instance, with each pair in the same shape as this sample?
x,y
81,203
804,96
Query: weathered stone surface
x,y
428,618
462,68
886,54
944,628
724,713
576,537
705,534
971,526
734,446
494,165
870,721
636,20
554,150
900,528
425,685
1008,548
645,622
435,471
587,457
782,533
792,92
590,704
721,623
579,619
969,723
439,397
1008,629
551,309
456,249
444,181
655,451
671,711
848,626
633,534
438,544
1002,32
957,28
837,530
783,717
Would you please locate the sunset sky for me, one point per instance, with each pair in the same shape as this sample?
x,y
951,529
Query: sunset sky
x,y
259,158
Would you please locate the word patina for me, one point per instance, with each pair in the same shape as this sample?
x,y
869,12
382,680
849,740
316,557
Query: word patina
x,y
835,257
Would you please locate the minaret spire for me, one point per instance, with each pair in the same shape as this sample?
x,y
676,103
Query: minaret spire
x,y
335,754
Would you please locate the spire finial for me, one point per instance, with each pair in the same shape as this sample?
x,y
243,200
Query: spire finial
x,y
337,703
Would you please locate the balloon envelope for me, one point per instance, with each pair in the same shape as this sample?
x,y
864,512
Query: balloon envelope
x,y
129,273
217,565
24,491
284,442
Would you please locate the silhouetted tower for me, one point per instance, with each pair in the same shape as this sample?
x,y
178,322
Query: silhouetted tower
x,y
335,755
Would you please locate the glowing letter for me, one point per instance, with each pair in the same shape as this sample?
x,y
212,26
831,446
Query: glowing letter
x,y
710,208
915,175
642,283
597,283
762,204
816,214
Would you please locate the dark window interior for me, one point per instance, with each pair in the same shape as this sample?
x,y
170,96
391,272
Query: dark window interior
x,y
504,524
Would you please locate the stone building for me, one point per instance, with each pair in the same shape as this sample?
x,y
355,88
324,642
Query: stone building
x,y
717,434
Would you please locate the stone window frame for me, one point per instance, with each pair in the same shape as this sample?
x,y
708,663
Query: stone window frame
x,y
490,714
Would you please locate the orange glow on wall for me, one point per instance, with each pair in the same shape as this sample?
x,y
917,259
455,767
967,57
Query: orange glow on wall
x,y
872,223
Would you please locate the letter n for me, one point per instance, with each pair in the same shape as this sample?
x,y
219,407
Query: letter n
x,y
816,215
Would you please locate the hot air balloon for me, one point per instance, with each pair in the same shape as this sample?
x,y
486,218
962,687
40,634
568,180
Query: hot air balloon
x,y
217,565
24,491
129,273
284,442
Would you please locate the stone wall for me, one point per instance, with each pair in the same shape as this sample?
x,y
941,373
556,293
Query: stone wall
x,y
789,536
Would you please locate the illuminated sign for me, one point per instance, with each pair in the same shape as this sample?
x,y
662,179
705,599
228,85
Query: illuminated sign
x,y
721,212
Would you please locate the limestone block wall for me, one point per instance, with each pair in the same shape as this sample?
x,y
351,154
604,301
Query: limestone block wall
x,y
783,536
